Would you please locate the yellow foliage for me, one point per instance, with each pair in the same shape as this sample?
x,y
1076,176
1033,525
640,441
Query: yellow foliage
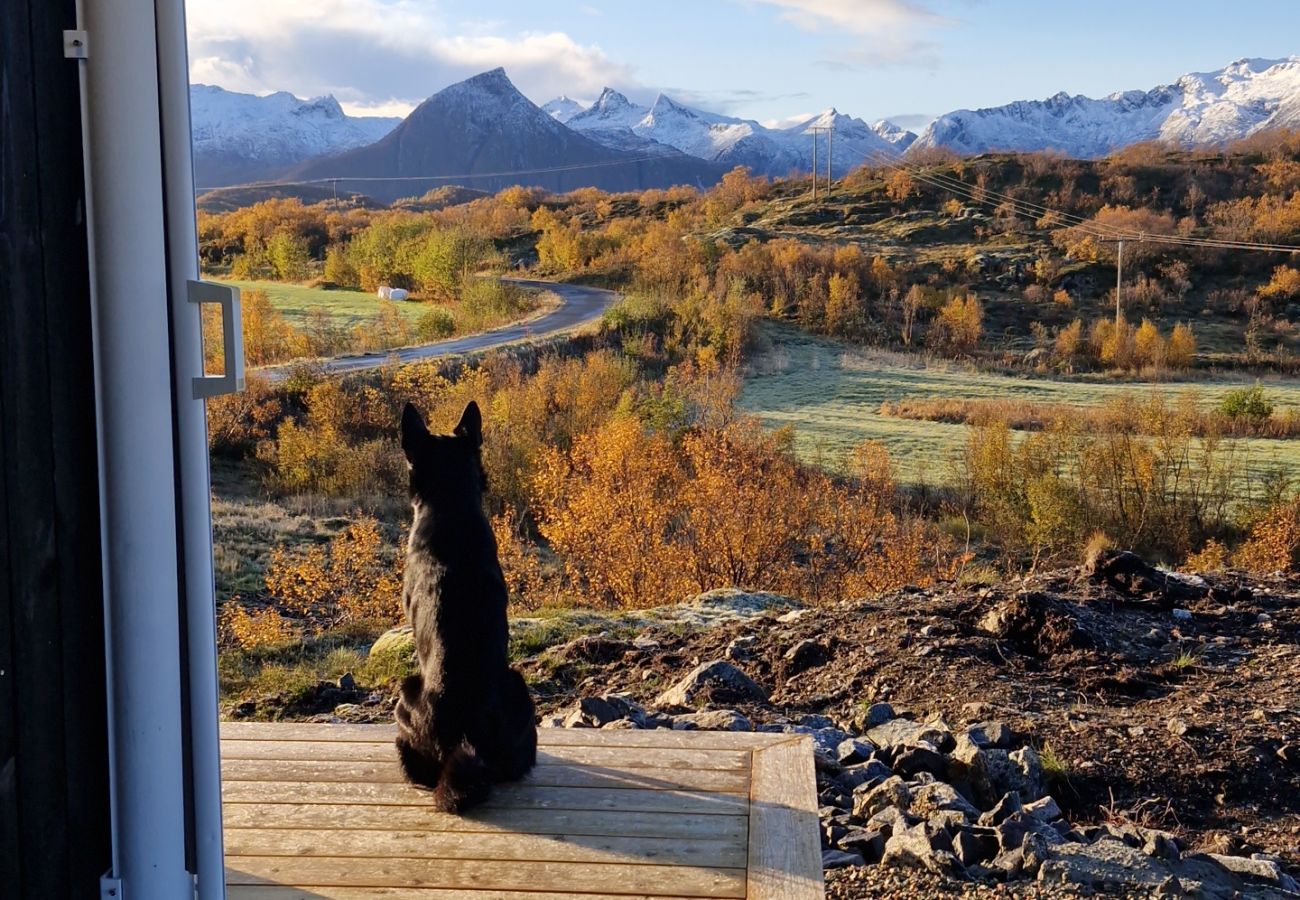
x,y
250,630
1274,540
354,579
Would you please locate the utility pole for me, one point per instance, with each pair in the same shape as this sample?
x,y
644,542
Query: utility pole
x,y
815,130
814,165
830,158
1119,280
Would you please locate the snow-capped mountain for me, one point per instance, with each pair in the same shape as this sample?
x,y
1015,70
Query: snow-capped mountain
x,y
483,133
1202,108
243,137
562,109
616,121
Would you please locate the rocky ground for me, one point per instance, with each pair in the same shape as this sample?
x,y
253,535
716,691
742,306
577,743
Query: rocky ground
x,y
1115,728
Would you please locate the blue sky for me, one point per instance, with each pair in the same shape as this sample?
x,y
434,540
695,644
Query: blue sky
x,y
765,59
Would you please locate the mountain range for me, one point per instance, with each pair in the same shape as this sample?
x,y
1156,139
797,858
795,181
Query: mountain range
x,y
1198,109
483,133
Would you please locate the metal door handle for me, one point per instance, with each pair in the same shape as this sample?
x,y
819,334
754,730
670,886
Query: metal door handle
x,y
232,344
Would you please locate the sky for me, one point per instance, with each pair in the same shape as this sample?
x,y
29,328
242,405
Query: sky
x,y
770,60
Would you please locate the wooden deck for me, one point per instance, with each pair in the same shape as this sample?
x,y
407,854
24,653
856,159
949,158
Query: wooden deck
x,y
321,811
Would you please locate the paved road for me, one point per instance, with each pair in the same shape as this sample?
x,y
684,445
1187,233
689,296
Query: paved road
x,y
579,305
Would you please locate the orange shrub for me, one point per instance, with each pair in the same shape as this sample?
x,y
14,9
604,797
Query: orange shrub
x,y
1274,540
354,579
248,630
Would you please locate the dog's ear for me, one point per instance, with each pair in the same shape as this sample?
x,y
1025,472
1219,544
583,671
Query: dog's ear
x,y
470,425
414,432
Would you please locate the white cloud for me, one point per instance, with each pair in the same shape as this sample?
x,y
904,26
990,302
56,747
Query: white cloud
x,y
378,56
858,16
885,32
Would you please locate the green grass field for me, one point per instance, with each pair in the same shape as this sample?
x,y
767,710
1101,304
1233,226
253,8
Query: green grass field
x,y
294,301
831,394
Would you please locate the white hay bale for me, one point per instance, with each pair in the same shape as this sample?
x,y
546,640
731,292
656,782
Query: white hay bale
x,y
398,294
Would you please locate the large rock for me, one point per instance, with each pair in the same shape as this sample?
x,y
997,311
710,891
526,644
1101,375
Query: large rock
x,y
396,642
897,734
1254,869
918,848
717,683
807,654
870,773
600,712
928,799
711,720
893,791
993,773
1105,866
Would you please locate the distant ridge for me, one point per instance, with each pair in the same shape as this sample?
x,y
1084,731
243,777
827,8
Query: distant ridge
x,y
1199,109
240,138
483,126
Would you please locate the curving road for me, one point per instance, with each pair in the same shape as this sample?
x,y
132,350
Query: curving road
x,y
579,305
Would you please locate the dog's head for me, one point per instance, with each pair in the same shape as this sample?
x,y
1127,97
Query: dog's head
x,y
445,468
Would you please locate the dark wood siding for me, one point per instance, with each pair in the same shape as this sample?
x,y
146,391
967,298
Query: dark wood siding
x,y
54,818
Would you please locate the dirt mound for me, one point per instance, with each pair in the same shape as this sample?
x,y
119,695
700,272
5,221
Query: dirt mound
x,y
1156,711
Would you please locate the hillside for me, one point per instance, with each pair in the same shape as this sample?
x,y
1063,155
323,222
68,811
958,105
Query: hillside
x,y
485,134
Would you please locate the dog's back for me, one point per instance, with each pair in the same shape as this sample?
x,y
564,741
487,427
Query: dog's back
x,y
466,719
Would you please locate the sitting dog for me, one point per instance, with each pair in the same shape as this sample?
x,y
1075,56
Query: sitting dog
x,y
466,720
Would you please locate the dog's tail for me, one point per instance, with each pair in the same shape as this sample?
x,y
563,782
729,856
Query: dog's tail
x,y
464,781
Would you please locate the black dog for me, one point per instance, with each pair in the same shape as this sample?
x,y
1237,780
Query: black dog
x,y
467,719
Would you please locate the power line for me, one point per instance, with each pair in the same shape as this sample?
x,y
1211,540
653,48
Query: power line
x,y
1093,228
404,178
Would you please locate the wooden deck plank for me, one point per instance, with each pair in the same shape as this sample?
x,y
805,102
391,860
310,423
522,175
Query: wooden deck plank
x,y
348,771
487,874
707,852
343,817
503,796
319,812
554,754
546,737
288,892
784,843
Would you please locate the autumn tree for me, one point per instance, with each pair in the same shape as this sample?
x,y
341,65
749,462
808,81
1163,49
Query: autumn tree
x,y
899,186
959,324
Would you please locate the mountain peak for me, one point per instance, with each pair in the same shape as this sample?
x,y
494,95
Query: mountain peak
x,y
611,99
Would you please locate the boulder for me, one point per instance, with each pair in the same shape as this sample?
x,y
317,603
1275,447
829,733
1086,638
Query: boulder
x,y
870,844
854,750
1044,810
1103,866
893,791
839,859
1007,806
807,654
889,820
974,845
599,712
874,715
993,773
711,720
991,735
921,758
394,642
1251,869
897,734
918,848
717,683
938,796
863,775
